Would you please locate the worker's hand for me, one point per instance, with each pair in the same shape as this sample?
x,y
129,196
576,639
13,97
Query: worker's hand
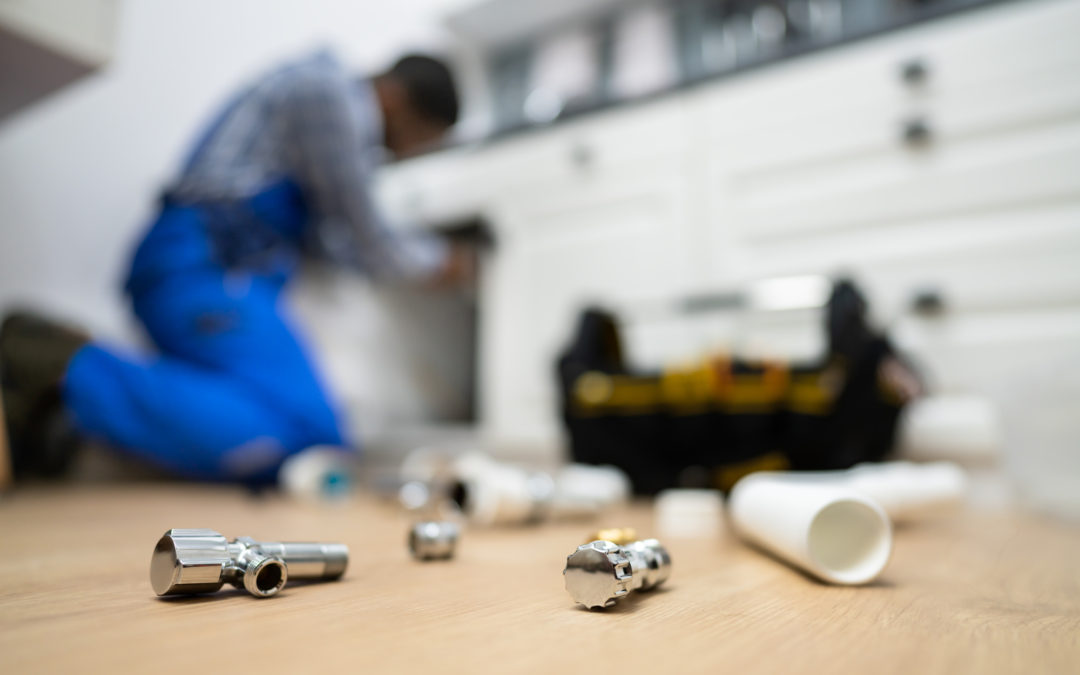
x,y
459,269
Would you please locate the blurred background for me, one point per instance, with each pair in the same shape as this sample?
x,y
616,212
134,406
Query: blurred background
x,y
699,167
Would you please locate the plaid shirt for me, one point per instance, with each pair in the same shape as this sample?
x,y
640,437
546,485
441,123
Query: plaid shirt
x,y
311,123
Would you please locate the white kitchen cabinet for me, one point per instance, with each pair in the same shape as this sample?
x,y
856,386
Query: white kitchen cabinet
x,y
820,145
805,168
797,168
592,213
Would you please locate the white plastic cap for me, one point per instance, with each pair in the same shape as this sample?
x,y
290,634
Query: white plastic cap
x,y
953,427
689,513
319,472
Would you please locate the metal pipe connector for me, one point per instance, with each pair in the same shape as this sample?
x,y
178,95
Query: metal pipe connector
x,y
202,561
433,540
600,572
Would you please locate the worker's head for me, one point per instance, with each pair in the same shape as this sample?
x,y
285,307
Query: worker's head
x,y
419,103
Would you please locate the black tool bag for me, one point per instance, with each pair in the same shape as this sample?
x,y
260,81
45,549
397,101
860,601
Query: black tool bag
x,y
710,425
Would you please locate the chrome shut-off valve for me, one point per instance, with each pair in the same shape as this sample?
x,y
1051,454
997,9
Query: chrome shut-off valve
x,y
202,561
600,572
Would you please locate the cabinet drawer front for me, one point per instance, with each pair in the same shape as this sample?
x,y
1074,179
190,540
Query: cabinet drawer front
x,y
977,174
854,103
875,129
1011,41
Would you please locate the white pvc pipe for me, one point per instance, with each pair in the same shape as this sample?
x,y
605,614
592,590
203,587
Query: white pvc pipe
x,y
903,489
583,491
832,532
495,493
501,493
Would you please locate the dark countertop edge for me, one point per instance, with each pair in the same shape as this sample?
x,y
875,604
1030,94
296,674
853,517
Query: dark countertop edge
x,y
916,18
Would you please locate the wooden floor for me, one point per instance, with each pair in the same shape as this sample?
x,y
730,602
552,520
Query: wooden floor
x,y
965,593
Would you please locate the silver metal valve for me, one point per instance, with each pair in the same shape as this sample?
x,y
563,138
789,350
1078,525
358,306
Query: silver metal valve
x,y
202,561
600,572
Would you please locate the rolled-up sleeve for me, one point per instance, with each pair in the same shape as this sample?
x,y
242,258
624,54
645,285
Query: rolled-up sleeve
x,y
330,147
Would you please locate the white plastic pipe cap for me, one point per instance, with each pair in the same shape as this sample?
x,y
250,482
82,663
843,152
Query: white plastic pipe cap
x,y
321,472
691,514
950,426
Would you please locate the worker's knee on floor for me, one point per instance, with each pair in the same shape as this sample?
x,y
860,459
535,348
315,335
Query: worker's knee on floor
x,y
259,459
260,456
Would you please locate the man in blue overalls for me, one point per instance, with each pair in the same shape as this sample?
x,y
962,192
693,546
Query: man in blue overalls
x,y
284,169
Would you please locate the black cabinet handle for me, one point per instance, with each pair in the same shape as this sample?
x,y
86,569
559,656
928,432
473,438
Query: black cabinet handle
x,y
581,155
916,132
928,301
914,72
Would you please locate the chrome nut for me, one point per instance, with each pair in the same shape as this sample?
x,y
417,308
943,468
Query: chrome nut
x,y
433,540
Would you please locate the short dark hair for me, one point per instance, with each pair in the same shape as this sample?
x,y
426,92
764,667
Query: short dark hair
x,y
429,85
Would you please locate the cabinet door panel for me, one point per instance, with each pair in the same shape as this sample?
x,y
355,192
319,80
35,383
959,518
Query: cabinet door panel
x,y
620,243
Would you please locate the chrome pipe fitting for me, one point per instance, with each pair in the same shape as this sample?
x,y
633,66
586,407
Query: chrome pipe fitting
x,y
433,540
600,572
202,561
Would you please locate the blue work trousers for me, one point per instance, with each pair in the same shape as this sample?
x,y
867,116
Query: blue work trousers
x,y
230,391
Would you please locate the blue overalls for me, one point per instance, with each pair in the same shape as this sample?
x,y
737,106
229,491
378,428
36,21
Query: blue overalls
x,y
232,391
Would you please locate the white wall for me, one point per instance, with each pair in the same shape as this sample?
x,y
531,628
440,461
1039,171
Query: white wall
x,y
79,171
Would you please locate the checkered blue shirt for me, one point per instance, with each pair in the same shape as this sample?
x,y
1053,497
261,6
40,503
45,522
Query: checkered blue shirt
x,y
310,122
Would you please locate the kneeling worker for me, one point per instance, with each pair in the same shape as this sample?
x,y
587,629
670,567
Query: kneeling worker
x,y
283,170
